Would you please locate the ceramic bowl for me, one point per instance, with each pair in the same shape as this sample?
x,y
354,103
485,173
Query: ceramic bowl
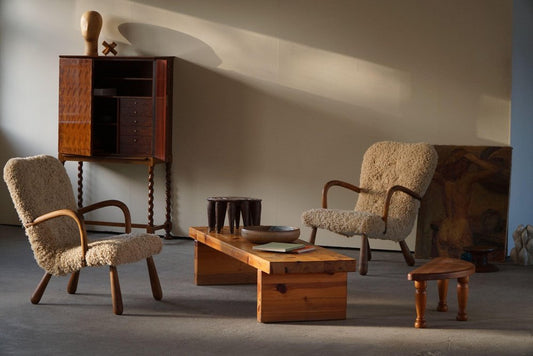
x,y
265,234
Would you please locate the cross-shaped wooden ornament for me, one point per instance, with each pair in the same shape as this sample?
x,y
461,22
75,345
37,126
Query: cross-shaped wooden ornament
x,y
109,47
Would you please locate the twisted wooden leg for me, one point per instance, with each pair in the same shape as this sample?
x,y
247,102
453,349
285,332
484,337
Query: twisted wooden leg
x,y
116,296
80,184
168,198
73,282
150,228
154,279
38,293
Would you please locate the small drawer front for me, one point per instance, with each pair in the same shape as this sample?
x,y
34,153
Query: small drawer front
x,y
136,107
132,130
136,145
126,121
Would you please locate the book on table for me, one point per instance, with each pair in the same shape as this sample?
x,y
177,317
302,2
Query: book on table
x,y
278,247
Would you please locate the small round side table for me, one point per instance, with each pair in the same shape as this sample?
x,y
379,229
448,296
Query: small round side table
x,y
480,258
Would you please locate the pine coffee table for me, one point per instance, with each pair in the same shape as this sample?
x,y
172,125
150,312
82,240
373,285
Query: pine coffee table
x,y
290,287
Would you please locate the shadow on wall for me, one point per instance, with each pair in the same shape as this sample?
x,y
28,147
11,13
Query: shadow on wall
x,y
152,40
252,138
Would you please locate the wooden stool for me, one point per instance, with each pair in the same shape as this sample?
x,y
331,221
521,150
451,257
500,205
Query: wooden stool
x,y
441,269
249,208
480,257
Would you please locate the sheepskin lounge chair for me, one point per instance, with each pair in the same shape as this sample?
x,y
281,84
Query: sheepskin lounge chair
x,y
394,177
44,200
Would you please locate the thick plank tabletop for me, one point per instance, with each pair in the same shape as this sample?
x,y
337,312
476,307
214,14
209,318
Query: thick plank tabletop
x,y
442,268
319,261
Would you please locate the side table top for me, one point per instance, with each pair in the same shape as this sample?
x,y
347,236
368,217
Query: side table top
x,y
319,261
442,268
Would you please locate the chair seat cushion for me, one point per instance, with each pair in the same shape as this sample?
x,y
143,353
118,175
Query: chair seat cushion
x,y
113,251
345,222
120,249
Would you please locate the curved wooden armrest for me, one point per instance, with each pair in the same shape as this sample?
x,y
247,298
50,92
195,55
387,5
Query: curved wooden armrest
x,y
106,203
390,192
339,183
78,218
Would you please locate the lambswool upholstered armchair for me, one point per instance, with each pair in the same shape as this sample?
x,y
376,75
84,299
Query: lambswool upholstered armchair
x,y
394,177
44,200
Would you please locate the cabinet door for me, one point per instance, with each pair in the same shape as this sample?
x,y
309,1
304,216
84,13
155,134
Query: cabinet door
x,y
75,106
163,69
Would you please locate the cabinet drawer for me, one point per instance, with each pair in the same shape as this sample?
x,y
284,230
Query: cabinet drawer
x,y
136,107
133,130
136,145
135,121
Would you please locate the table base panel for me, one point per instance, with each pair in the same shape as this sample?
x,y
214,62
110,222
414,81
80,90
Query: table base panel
x,y
296,297
212,267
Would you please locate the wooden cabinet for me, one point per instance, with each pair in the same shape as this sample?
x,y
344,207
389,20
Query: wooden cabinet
x,y
117,109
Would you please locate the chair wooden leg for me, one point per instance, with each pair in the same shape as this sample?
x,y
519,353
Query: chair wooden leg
x,y
409,259
363,256
38,293
73,282
154,279
369,251
115,290
312,238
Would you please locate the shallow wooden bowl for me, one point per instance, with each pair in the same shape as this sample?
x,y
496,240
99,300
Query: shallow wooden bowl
x,y
265,234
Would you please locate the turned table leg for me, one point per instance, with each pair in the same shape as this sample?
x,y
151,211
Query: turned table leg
x,y
443,293
462,298
420,302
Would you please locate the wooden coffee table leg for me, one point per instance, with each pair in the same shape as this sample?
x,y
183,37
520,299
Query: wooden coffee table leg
x,y
212,267
462,298
301,296
443,293
420,301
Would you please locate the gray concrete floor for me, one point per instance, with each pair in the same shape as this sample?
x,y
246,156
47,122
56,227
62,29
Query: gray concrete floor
x,y
221,320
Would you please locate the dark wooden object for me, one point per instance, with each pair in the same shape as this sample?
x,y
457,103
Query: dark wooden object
x,y
290,287
480,257
365,253
441,269
119,110
249,208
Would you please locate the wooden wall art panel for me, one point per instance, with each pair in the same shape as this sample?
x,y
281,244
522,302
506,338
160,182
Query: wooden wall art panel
x,y
466,203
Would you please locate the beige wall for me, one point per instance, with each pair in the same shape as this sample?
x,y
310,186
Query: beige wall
x,y
272,98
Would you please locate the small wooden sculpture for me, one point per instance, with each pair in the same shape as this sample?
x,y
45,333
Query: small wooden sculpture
x,y
91,24
109,47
